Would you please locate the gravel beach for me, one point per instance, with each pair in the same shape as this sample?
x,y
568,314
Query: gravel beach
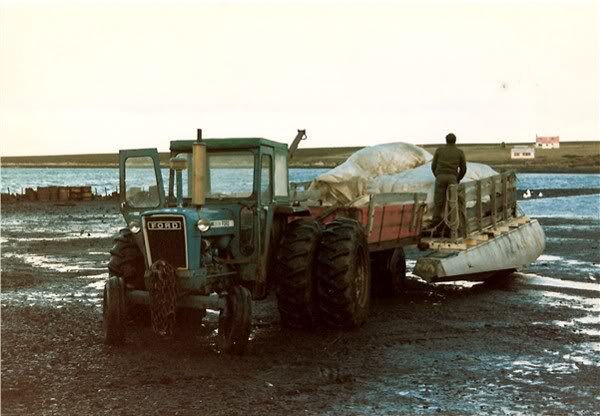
x,y
529,346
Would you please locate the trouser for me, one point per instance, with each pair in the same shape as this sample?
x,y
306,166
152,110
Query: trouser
x,y
442,182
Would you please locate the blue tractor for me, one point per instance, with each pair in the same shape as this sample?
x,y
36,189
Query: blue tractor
x,y
207,242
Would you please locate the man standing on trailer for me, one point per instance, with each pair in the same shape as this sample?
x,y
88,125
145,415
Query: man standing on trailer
x,y
449,167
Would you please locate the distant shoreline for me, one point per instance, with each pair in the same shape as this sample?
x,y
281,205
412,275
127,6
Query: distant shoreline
x,y
571,157
518,169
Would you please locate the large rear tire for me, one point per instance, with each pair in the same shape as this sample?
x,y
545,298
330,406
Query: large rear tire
x,y
113,311
344,274
295,269
235,321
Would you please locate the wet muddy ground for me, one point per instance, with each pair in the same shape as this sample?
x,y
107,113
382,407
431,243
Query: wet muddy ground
x,y
529,346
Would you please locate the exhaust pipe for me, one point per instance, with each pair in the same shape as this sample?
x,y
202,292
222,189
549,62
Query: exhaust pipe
x,y
199,176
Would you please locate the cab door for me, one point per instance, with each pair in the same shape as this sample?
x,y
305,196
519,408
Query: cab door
x,y
140,182
265,218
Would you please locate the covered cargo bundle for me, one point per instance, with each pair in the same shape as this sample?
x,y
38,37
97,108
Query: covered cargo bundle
x,y
345,183
385,168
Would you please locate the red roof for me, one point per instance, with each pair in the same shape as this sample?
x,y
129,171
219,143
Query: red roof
x,y
548,139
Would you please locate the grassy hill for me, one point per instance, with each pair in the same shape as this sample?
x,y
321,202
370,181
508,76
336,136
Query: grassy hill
x,y
571,157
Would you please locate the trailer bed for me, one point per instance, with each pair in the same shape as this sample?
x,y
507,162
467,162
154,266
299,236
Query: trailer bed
x,y
390,220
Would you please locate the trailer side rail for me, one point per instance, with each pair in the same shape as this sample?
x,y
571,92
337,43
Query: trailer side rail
x,y
474,206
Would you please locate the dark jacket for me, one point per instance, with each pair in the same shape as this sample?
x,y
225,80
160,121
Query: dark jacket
x,y
449,159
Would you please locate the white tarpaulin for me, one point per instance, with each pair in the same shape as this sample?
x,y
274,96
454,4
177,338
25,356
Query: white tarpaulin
x,y
348,181
391,167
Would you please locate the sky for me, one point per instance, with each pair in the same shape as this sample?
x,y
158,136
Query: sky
x,y
98,76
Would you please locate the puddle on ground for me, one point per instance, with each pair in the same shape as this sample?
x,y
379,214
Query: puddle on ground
x,y
547,257
57,264
57,237
533,279
90,293
530,372
38,297
459,283
573,324
588,304
575,269
98,284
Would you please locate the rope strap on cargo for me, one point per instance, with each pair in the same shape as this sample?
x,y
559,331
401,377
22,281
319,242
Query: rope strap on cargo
x,y
448,212
164,292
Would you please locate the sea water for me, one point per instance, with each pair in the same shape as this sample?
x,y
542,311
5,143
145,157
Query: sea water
x,y
578,214
106,180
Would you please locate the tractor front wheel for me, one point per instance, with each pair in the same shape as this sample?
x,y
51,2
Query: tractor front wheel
x,y
126,260
235,321
113,311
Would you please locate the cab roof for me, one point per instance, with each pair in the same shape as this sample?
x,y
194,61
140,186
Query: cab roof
x,y
228,143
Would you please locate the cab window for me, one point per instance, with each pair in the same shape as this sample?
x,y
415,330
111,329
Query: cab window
x,y
141,187
281,174
266,192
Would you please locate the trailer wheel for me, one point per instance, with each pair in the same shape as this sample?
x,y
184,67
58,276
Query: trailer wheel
x,y
126,260
500,279
295,268
344,274
391,269
235,321
113,311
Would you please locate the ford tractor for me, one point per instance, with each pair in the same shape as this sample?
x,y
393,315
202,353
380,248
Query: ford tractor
x,y
225,228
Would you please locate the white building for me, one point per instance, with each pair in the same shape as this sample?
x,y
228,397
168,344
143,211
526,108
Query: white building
x,y
547,142
522,153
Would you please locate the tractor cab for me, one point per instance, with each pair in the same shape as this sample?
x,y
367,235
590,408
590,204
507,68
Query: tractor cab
x,y
214,221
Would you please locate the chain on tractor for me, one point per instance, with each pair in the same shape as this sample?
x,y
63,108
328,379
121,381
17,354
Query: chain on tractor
x,y
164,291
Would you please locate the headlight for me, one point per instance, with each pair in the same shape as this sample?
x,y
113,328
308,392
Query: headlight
x,y
135,227
203,225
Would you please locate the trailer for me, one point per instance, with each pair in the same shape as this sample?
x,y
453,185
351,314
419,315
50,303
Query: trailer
x,y
486,234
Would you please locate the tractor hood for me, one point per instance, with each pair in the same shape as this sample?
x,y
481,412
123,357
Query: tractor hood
x,y
221,221
172,234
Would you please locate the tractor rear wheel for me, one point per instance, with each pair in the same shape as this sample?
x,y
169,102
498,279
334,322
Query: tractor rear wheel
x,y
113,311
344,274
296,278
235,321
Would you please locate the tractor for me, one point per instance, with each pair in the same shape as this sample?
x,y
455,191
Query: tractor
x,y
227,230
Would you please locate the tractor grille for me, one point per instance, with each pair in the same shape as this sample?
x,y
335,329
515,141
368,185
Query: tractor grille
x,y
165,237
